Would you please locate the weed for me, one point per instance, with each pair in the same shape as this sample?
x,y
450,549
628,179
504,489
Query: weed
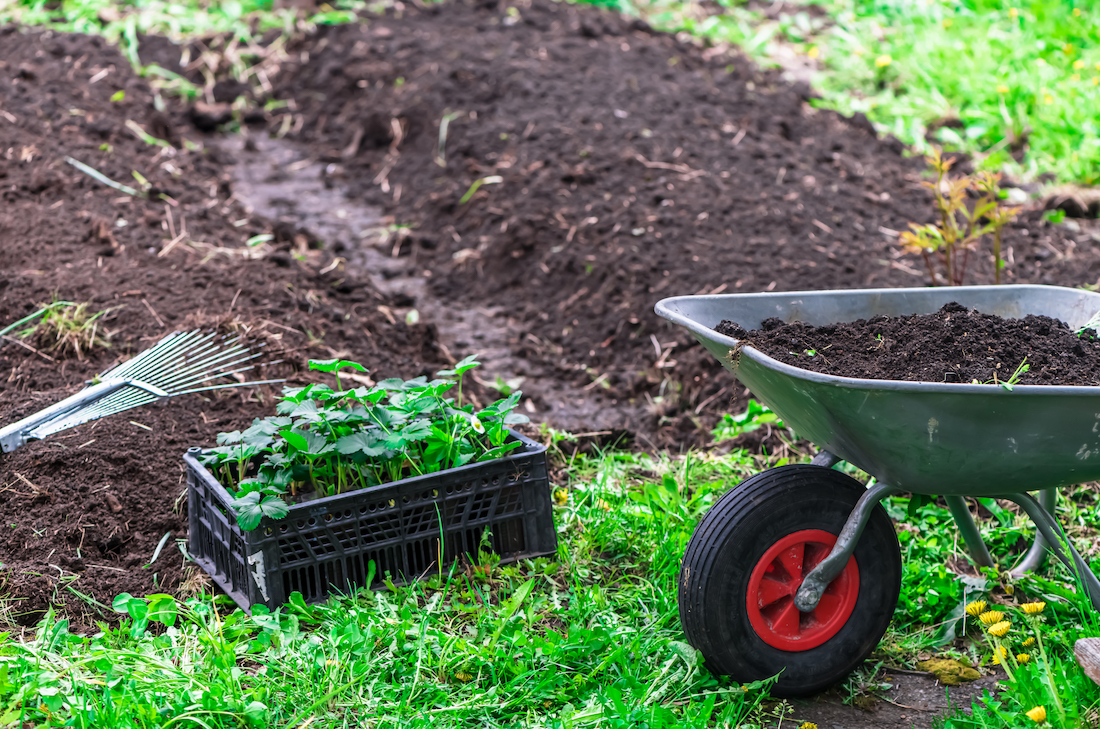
x,y
756,416
960,227
66,327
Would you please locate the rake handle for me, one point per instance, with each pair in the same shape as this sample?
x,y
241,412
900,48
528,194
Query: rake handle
x,y
15,435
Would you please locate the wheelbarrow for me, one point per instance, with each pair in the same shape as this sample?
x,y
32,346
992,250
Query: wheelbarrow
x,y
797,570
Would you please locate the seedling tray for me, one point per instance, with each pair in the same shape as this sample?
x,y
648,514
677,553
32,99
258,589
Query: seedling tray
x,y
410,529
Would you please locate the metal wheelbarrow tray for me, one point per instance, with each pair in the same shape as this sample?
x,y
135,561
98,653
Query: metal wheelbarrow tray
x,y
798,568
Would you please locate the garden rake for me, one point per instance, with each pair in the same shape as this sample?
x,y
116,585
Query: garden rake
x,y
179,364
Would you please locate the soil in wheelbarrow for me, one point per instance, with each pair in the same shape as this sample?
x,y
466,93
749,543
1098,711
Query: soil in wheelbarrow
x,y
953,345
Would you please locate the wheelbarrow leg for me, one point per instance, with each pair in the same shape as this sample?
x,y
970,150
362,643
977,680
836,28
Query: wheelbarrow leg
x,y
1033,560
974,544
1052,533
813,586
825,459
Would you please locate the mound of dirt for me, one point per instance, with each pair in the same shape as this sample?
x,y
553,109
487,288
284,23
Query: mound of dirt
x,y
82,512
617,166
953,345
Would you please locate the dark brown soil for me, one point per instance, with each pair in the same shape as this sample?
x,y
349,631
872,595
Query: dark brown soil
x,y
82,512
954,345
633,166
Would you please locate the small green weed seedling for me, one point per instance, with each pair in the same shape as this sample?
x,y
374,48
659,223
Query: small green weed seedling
x,y
326,442
960,227
755,416
1012,381
1092,324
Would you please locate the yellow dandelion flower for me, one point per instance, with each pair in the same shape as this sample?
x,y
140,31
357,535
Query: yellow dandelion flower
x,y
1022,658
813,52
993,616
1096,80
1078,64
1013,12
999,653
1077,12
883,61
1028,643
1097,66
1001,89
1037,714
1034,608
1048,99
807,725
1000,629
977,607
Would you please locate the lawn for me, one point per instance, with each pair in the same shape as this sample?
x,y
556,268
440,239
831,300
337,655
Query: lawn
x,y
1011,82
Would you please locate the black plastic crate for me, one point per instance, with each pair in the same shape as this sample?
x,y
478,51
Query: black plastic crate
x,y
325,546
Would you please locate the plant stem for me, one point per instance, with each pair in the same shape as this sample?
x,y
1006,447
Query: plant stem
x,y
1046,671
997,255
928,265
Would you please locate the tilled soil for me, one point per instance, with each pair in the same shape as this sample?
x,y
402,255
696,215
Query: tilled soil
x,y
953,345
631,166
82,512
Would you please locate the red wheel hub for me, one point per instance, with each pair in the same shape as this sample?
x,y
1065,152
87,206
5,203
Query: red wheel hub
x,y
777,577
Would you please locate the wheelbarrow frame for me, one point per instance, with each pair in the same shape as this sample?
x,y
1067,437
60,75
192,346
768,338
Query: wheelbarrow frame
x,y
954,440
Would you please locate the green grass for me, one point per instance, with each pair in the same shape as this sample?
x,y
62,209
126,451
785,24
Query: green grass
x,y
120,22
1002,72
231,31
992,78
590,637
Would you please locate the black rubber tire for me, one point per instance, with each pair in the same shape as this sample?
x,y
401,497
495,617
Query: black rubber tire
x,y
733,537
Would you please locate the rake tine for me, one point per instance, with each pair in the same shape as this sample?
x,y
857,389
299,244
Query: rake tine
x,y
180,363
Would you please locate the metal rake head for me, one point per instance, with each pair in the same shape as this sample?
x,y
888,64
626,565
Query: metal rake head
x,y
181,363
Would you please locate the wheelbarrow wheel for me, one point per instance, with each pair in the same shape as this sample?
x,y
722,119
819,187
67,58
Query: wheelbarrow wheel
x,y
745,562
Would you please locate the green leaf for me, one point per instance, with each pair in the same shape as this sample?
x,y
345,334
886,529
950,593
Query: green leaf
x,y
361,442
465,365
415,431
499,452
118,95
296,439
252,507
256,713
916,501
162,609
229,438
307,411
332,365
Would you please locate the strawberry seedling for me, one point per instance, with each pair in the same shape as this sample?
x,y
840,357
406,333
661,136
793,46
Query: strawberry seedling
x,y
326,441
